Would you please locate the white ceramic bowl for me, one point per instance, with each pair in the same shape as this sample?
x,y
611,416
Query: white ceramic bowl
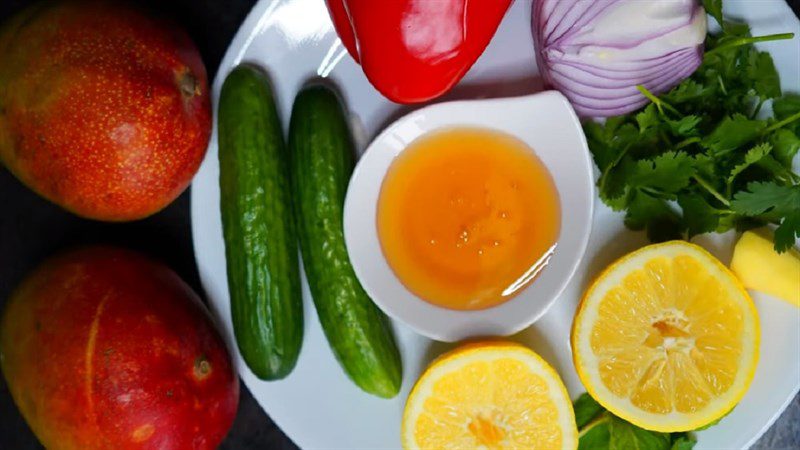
x,y
547,123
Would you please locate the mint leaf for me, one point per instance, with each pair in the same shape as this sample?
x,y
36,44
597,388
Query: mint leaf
x,y
598,429
698,216
714,7
786,144
667,173
625,436
597,434
751,157
683,441
586,409
733,132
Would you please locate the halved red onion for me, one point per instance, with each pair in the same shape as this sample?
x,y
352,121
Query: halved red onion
x,y
621,78
597,51
565,27
585,82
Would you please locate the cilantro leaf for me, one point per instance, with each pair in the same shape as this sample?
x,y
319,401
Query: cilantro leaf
x,y
612,185
760,197
779,171
654,216
685,126
786,144
734,30
586,409
787,106
648,118
761,70
688,91
704,165
733,132
714,7
602,152
706,146
751,157
667,173
610,142
771,200
698,216
788,231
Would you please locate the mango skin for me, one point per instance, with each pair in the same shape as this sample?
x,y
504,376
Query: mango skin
x,y
104,349
104,110
761,268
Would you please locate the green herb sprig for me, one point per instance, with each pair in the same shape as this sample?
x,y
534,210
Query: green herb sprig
x,y
698,159
601,430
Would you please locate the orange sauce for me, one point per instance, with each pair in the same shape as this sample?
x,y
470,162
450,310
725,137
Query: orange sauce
x,y
467,217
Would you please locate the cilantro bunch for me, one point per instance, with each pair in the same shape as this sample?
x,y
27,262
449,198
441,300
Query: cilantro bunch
x,y
698,159
599,429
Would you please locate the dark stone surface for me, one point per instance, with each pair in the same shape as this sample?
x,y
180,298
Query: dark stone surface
x,y
32,229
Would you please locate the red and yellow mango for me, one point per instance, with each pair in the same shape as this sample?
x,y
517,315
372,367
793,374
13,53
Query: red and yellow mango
x,y
103,348
104,110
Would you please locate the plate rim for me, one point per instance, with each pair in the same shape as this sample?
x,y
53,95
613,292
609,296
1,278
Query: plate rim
x,y
241,41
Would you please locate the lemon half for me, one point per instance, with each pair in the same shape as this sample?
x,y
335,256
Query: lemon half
x,y
667,338
490,395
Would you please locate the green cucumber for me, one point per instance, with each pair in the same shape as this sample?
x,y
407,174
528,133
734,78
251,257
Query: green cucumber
x,y
359,334
258,226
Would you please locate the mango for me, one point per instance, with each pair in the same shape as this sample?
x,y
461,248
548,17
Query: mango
x,y
104,109
103,348
762,269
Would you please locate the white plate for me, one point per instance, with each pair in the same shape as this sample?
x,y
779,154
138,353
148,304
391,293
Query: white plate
x,y
317,406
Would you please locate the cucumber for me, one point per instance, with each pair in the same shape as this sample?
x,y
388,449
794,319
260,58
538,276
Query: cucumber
x,y
258,226
321,152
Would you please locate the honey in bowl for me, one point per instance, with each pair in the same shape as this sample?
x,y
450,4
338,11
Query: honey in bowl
x,y
467,217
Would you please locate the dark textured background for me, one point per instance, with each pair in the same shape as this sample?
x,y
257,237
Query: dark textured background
x,y
32,229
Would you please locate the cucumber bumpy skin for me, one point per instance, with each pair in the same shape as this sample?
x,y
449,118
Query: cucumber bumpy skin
x,y
258,226
322,161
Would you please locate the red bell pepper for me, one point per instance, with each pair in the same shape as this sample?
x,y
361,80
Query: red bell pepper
x,y
416,50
